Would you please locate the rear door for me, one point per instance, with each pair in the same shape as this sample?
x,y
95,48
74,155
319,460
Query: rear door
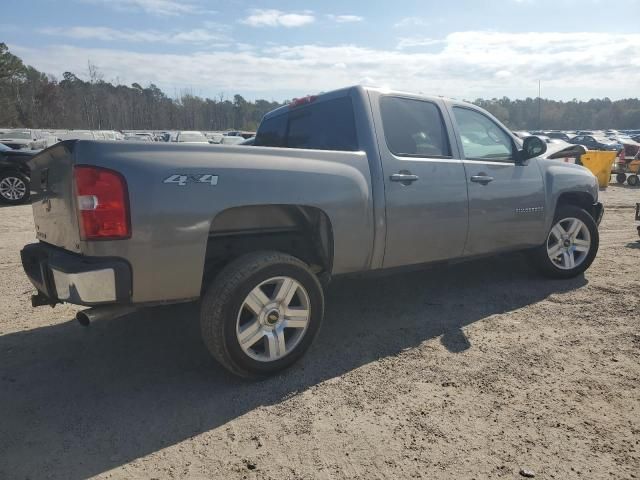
x,y
425,185
506,199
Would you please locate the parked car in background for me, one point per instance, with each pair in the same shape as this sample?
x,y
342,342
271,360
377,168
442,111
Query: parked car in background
x,y
148,135
239,133
215,137
559,136
50,138
596,143
23,139
137,138
78,135
14,174
227,140
565,152
521,134
191,137
107,135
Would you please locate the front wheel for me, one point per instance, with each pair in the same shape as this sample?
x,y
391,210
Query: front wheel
x,y
621,178
633,180
261,313
571,245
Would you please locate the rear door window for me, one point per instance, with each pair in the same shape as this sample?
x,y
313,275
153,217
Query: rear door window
x,y
327,125
414,128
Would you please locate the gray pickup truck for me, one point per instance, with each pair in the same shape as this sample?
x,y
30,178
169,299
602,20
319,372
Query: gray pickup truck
x,y
351,181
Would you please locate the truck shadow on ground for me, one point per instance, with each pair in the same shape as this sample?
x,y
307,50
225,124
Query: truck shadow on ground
x,y
76,402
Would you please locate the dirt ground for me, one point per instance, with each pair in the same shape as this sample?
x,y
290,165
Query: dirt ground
x,y
477,370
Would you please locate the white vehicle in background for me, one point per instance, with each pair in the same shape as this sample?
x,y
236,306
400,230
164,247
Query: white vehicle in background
x,y
49,137
106,135
215,137
148,136
78,135
521,134
227,140
191,137
137,138
23,139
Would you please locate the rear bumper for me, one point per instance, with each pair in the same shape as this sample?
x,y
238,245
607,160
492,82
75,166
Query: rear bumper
x,y
62,276
598,212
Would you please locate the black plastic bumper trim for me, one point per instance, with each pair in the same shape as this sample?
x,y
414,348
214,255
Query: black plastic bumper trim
x,y
39,258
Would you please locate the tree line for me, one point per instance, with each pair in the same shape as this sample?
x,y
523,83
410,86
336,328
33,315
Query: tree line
x,y
32,99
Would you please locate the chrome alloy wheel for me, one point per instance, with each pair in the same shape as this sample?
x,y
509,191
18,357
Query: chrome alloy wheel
x,y
568,243
13,188
273,319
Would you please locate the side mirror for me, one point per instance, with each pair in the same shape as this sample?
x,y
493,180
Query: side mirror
x,y
532,147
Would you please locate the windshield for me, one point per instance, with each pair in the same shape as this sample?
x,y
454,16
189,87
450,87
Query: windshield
x,y
16,134
192,137
3,147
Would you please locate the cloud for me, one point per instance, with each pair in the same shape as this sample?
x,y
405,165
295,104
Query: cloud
x,y
157,7
345,18
195,36
276,18
412,22
466,65
411,42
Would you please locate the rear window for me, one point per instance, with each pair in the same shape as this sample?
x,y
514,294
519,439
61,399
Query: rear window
x,y
414,128
327,125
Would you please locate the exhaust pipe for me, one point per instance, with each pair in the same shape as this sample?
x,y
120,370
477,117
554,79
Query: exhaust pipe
x,y
85,317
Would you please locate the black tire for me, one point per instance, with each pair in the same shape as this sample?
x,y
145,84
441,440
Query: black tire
x,y
19,177
633,180
621,178
225,295
540,259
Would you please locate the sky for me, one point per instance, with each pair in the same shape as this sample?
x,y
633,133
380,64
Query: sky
x,y
279,50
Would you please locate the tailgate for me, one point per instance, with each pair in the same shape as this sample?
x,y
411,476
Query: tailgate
x,y
54,210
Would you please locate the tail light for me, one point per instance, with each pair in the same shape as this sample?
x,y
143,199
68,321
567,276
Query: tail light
x,y
103,203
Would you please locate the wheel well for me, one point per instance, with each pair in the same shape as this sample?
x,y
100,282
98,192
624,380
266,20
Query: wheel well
x,y
579,199
301,231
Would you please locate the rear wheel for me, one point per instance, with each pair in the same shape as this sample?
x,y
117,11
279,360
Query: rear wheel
x,y
571,245
621,178
633,180
14,188
261,313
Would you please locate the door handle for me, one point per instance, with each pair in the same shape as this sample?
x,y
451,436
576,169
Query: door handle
x,y
405,178
483,179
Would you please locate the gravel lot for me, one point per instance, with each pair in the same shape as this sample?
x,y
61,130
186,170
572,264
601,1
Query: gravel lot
x,y
473,371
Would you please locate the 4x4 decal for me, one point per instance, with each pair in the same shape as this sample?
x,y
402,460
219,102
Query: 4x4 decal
x,y
182,180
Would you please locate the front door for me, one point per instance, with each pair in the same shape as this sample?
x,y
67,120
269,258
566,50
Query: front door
x,y
506,199
425,186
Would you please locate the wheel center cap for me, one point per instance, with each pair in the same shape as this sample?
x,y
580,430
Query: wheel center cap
x,y
567,243
273,317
